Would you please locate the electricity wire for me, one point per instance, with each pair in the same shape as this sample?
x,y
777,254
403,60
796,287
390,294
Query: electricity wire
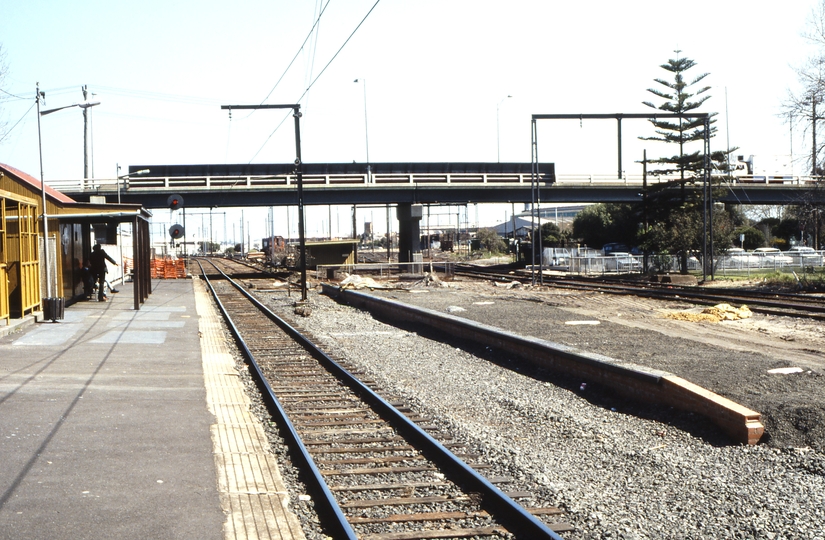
x,y
15,124
157,96
317,77
339,50
12,95
312,60
301,48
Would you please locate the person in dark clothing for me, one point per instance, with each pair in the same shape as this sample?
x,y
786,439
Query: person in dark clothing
x,y
98,259
88,278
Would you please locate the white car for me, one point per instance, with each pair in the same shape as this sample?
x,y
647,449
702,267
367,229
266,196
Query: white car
x,y
804,256
739,258
771,256
621,262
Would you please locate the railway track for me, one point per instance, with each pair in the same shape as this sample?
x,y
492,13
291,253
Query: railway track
x,y
767,303
377,472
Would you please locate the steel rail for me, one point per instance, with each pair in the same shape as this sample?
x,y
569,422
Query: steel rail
x,y
755,302
515,517
812,308
336,522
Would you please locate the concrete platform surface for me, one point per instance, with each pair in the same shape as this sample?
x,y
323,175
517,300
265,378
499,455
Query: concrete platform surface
x,y
104,424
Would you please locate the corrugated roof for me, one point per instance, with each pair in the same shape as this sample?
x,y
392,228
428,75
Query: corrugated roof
x,y
34,183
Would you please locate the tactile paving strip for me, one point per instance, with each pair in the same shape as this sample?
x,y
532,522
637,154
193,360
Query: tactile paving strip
x,y
253,495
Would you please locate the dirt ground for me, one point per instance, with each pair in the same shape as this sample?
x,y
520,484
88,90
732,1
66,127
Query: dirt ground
x,y
731,358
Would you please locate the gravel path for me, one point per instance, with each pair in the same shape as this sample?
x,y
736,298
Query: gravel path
x,y
617,475
731,358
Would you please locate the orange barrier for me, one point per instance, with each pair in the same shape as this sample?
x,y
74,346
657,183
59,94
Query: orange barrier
x,y
167,268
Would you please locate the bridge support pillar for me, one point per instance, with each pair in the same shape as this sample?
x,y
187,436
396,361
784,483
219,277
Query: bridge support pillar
x,y
409,232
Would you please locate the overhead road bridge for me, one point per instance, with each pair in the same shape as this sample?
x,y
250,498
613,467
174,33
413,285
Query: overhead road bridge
x,y
323,183
405,183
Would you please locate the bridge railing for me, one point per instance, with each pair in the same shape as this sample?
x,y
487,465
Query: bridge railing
x,y
111,185
612,180
230,182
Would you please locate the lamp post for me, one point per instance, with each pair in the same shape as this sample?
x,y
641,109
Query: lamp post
x,y
120,177
498,130
46,259
366,125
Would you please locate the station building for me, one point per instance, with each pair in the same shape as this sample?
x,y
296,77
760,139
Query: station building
x,y
73,228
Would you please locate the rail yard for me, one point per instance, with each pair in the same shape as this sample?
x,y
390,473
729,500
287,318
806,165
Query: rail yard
x,y
573,449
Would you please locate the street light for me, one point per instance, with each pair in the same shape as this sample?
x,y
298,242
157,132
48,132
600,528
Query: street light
x,y
120,177
366,125
49,300
498,144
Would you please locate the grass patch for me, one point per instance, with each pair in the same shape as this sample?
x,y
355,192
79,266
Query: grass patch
x,y
793,280
805,281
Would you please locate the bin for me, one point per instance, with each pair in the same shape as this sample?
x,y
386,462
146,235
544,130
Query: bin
x,y
53,308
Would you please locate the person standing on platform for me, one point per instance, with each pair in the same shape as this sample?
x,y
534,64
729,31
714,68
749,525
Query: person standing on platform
x,y
88,278
98,259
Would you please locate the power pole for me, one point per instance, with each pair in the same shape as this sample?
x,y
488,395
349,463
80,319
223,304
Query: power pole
x,y
85,135
85,106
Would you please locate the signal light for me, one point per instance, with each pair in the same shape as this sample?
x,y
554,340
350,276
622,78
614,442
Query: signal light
x,y
176,231
174,202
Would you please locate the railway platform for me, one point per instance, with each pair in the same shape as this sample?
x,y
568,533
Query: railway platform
x,y
116,423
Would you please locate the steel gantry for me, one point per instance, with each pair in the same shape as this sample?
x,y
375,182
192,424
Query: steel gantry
x,y
536,191
299,171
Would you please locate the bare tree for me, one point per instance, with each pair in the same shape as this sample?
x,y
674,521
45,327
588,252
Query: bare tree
x,y
804,106
3,69
816,25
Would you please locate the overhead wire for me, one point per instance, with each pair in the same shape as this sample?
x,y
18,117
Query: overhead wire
x,y
46,91
21,119
338,51
174,98
13,95
317,77
281,78
312,54
301,48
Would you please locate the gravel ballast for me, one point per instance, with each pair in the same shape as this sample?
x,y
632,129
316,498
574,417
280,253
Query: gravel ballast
x,y
617,475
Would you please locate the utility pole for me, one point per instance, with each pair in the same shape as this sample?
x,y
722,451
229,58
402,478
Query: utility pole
x,y
389,238
813,135
86,106
85,135
354,224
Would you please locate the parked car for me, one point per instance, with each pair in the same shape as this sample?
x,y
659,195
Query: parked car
x,y
804,256
621,262
556,256
739,258
771,256
613,247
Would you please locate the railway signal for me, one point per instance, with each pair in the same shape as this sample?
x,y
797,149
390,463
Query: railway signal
x,y
176,232
174,202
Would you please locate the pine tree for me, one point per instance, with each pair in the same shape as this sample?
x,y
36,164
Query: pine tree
x,y
677,216
681,131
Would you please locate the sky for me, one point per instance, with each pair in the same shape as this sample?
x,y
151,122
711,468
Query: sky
x,y
434,78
